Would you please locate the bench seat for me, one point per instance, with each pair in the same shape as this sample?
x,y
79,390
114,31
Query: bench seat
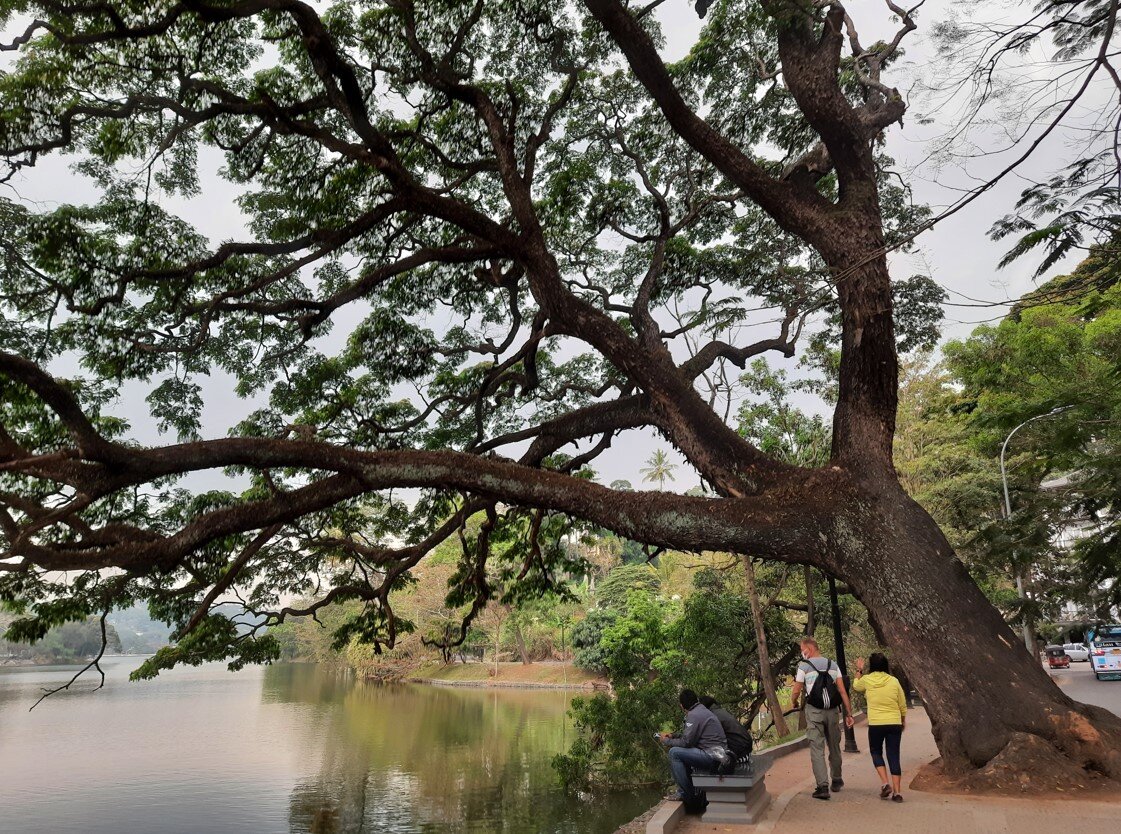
x,y
738,797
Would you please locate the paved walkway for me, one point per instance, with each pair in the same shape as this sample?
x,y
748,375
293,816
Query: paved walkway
x,y
858,807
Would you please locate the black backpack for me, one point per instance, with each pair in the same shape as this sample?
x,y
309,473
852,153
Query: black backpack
x,y
823,694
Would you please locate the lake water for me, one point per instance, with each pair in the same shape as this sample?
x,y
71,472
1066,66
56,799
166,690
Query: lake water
x,y
285,748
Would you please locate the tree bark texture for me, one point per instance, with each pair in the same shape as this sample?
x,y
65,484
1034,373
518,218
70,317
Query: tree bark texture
x,y
998,718
519,641
811,611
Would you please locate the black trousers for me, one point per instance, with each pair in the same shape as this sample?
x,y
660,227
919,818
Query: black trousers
x,y
889,734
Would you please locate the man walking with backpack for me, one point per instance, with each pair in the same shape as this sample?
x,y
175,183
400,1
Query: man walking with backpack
x,y
820,679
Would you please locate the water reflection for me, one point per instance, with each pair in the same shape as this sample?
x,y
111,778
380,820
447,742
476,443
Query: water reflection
x,y
408,758
293,748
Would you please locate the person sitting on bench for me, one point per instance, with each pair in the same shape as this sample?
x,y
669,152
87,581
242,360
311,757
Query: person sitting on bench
x,y
739,740
701,746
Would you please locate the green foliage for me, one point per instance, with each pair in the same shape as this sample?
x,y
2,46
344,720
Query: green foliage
x,y
216,638
374,201
650,651
587,639
302,638
613,590
939,461
774,425
1060,349
74,641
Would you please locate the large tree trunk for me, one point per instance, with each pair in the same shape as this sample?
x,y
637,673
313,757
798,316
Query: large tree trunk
x,y
998,718
765,671
992,704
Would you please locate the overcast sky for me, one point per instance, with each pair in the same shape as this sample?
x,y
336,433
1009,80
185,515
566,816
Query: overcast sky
x,y
957,253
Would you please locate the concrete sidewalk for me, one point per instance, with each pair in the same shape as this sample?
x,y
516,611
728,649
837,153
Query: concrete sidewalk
x,y
858,807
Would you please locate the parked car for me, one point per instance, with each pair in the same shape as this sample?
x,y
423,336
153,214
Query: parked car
x,y
1077,652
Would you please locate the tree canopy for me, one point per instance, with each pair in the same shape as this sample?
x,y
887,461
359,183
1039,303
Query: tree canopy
x,y
1056,355
482,240
528,257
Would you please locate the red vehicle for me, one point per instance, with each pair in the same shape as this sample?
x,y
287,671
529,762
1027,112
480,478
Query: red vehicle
x,y
1057,658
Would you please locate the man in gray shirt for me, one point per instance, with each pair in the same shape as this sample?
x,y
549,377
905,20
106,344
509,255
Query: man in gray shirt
x,y
701,745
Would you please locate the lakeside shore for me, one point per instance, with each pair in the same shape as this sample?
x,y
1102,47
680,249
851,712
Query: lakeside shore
x,y
539,675
56,661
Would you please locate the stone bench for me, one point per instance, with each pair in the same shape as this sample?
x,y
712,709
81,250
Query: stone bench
x,y
738,797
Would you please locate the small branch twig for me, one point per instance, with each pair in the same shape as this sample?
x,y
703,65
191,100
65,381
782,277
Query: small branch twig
x,y
93,664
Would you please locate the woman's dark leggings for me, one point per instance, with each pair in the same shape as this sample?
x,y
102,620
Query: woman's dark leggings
x,y
890,733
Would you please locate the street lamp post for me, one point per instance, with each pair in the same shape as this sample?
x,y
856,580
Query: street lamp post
x,y
1026,628
839,642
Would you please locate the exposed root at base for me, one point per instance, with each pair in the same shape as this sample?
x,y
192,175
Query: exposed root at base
x,y
1027,766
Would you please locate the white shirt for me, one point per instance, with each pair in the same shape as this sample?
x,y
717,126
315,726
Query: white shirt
x,y
808,670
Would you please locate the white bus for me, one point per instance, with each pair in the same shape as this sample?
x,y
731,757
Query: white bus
x,y
1105,651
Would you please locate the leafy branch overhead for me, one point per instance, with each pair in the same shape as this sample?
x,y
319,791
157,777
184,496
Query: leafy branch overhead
x,y
508,235
482,241
989,58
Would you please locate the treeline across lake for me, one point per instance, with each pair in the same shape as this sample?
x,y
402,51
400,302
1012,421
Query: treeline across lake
x,y
643,624
67,643
127,631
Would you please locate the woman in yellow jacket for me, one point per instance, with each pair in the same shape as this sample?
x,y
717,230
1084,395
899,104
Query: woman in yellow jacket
x,y
887,716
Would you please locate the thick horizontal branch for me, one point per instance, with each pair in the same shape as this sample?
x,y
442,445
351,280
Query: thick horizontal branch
x,y
770,524
552,435
144,550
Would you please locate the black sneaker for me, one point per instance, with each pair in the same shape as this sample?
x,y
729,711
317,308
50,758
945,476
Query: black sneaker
x,y
822,792
837,784
897,797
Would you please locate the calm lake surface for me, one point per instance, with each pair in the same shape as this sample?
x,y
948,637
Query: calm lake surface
x,y
285,748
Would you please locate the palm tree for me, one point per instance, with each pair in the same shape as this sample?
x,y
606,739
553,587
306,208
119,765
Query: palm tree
x,y
658,468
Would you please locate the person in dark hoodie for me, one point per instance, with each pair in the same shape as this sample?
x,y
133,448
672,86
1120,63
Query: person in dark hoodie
x,y
739,741
701,746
